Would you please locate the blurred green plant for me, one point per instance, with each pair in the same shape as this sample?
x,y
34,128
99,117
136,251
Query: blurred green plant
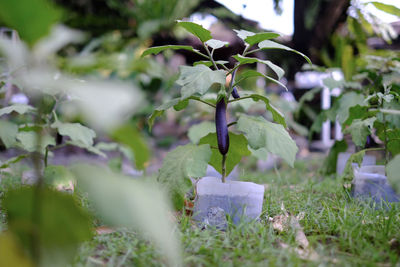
x,y
45,226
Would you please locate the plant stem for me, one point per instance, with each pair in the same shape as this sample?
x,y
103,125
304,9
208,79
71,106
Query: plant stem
x,y
238,99
223,167
202,101
199,53
46,155
252,51
210,56
232,123
386,139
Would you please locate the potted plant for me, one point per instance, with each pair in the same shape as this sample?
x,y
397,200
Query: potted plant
x,y
222,143
368,110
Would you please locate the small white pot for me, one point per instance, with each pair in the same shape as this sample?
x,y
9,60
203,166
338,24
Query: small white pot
x,y
238,199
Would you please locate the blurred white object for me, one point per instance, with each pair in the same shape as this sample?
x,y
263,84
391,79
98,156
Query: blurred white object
x,y
19,98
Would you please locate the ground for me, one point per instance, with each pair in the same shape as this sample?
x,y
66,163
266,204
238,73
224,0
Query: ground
x,y
340,230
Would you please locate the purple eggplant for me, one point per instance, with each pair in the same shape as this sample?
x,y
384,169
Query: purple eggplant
x,y
235,93
222,127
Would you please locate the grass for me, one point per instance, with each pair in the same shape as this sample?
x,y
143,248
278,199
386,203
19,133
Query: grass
x,y
341,230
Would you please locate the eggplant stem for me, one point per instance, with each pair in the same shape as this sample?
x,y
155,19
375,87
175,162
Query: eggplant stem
x,y
223,167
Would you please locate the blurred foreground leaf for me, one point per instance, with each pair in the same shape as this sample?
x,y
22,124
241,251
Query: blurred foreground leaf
x,y
122,201
11,253
49,224
31,18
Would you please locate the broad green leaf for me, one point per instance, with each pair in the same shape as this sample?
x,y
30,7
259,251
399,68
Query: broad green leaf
x,y
12,160
273,137
237,150
197,30
249,60
124,202
209,63
177,103
110,146
277,116
259,37
57,246
261,154
131,137
11,252
359,130
253,73
29,141
348,173
330,162
58,175
157,49
346,101
392,118
197,131
391,135
393,170
357,112
198,79
8,133
215,44
19,108
31,20
391,9
243,34
268,44
182,163
76,132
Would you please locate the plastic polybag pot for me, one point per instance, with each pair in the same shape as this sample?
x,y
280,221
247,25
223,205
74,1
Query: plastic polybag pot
x,y
240,200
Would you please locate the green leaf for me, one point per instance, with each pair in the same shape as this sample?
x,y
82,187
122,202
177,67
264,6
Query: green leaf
x,y
11,252
60,224
8,133
58,175
391,135
273,137
19,108
393,170
209,63
243,34
253,73
197,131
124,202
330,162
31,20
387,8
131,137
277,116
197,30
346,101
29,141
176,102
357,112
249,60
76,132
157,49
182,163
348,173
268,44
259,37
215,44
237,150
198,79
359,130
